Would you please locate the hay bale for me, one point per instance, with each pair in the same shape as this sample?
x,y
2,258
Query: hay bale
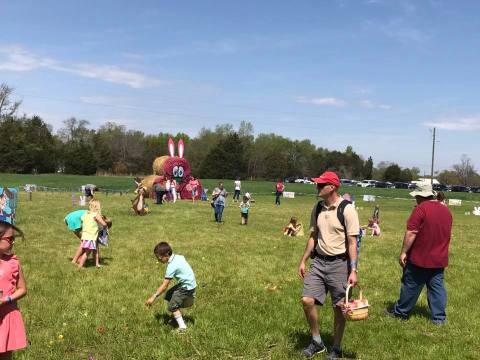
x,y
158,164
147,183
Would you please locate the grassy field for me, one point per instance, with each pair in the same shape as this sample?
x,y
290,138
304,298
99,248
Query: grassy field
x,y
248,297
125,183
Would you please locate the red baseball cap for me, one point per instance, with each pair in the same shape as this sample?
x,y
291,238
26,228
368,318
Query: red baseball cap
x,y
328,177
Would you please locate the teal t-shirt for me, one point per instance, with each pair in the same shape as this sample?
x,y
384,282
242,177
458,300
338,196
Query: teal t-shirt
x,y
74,219
179,269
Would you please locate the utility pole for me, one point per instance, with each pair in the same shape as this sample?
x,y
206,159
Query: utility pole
x,y
433,157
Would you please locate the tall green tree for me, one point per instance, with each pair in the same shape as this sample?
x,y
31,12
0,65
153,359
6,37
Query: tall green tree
x,y
8,108
392,173
226,160
368,168
40,150
79,158
465,170
12,145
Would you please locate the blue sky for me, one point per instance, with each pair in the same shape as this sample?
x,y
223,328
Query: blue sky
x,y
374,74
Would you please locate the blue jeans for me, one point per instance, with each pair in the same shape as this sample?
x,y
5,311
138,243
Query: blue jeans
x,y
159,195
278,194
413,280
236,195
219,212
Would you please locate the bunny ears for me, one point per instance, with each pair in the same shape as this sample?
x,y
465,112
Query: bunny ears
x,y
171,147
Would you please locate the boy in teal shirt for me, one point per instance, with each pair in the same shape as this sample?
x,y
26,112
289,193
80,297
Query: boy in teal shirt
x,y
182,294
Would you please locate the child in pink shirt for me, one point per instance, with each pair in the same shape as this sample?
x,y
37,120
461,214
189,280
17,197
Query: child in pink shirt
x,y
12,288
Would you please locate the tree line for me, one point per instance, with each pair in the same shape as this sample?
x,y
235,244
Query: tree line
x,y
28,145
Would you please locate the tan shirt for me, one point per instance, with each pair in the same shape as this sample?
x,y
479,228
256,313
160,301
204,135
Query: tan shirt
x,y
331,234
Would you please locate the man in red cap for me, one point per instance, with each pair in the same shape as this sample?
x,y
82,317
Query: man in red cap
x,y
333,245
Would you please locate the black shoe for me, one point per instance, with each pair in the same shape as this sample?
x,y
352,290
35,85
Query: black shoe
x,y
334,354
392,314
314,348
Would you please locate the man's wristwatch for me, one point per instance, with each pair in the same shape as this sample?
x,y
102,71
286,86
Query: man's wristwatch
x,y
355,270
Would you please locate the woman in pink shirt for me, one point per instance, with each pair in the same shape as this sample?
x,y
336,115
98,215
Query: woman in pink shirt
x,y
279,191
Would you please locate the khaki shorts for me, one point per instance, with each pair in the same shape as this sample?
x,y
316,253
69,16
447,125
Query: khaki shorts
x,y
326,276
179,297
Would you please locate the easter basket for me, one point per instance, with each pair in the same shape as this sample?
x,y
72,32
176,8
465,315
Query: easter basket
x,y
355,310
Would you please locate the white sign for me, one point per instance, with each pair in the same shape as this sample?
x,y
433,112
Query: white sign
x,y
30,187
289,194
455,202
369,198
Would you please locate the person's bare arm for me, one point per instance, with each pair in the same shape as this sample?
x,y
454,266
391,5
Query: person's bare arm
x,y
306,254
100,220
353,256
408,241
159,292
21,289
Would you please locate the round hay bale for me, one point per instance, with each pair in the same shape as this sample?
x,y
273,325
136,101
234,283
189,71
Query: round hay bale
x,y
147,183
158,164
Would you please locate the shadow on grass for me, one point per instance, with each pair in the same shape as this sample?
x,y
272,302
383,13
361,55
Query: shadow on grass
x,y
167,319
301,339
104,261
418,310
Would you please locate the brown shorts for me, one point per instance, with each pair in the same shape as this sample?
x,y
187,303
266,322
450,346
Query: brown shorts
x,y
326,276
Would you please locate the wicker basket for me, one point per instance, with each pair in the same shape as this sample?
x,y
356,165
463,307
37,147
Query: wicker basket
x,y
355,310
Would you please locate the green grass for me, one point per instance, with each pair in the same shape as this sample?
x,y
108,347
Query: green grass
x,y
102,312
125,183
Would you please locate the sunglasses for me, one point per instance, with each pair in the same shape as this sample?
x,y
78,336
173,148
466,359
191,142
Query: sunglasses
x,y
10,239
321,186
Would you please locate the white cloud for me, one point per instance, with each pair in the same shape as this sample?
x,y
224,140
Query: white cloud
x,y
98,100
404,33
399,30
459,124
113,74
16,58
327,101
362,90
368,104
133,56
405,5
384,107
229,46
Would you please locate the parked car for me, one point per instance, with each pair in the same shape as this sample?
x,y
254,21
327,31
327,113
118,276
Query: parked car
x,y
439,187
347,182
304,180
401,185
475,189
367,183
460,188
381,184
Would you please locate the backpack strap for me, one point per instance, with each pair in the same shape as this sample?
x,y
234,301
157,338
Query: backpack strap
x,y
340,211
341,217
318,210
